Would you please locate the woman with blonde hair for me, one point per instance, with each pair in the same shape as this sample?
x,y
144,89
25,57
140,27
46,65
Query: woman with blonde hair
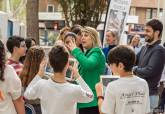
x,y
91,64
34,57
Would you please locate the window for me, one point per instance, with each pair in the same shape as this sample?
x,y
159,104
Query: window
x,y
151,13
148,14
50,8
133,11
154,13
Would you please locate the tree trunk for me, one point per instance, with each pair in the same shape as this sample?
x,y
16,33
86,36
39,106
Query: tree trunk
x,y
2,5
32,19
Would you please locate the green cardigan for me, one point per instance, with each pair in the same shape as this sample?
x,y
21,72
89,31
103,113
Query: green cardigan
x,y
91,66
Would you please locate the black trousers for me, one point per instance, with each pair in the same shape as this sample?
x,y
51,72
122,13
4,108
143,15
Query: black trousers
x,y
89,110
162,100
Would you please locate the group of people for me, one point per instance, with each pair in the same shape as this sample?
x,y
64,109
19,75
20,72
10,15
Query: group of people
x,y
23,80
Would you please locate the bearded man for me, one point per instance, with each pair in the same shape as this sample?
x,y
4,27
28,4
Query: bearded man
x,y
151,59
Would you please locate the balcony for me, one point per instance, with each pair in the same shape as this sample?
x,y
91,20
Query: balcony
x,y
47,16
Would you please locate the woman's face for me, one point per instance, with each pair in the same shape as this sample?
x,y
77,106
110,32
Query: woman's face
x,y
109,38
79,40
135,41
87,42
69,39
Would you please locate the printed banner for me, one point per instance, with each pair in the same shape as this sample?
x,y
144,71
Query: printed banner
x,y
116,17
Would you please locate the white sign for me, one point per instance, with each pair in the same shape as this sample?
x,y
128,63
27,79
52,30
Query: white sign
x,y
116,17
3,25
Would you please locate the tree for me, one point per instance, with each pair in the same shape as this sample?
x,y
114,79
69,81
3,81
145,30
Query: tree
x,y
32,19
83,12
1,4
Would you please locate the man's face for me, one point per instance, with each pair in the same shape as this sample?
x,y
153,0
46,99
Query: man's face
x,y
149,34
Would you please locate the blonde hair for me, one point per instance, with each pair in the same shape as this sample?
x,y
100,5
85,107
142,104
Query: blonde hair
x,y
94,35
62,31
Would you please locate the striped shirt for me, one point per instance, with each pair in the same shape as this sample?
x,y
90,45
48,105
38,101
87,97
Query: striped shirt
x,y
16,65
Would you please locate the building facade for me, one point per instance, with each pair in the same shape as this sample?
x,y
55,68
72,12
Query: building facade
x,y
51,20
146,9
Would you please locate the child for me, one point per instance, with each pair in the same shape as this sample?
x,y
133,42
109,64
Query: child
x,y
17,47
56,95
127,95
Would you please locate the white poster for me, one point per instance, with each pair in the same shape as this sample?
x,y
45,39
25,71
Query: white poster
x,y
116,17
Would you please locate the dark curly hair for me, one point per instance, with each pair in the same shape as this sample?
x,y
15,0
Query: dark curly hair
x,y
122,54
2,60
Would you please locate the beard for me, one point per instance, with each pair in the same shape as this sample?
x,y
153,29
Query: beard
x,y
149,39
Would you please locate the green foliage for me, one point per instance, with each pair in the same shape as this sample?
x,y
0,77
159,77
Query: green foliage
x,y
15,4
52,37
1,5
83,12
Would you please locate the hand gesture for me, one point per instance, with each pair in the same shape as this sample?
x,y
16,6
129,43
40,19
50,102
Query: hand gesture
x,y
71,45
41,71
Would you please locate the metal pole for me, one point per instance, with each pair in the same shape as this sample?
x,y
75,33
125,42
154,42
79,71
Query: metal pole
x,y
163,20
158,9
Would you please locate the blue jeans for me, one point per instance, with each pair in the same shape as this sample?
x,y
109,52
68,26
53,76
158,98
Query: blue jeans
x,y
154,99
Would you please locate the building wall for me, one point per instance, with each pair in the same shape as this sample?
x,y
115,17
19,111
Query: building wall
x,y
141,12
141,7
146,3
43,5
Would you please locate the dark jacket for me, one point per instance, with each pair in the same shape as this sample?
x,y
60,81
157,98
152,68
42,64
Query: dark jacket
x,y
107,49
150,63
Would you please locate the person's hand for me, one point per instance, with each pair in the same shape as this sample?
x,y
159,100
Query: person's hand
x,y
41,71
99,89
71,45
75,72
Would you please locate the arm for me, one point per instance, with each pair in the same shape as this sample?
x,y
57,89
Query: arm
x,y
14,89
19,105
86,62
155,63
2,97
33,89
84,93
108,105
99,88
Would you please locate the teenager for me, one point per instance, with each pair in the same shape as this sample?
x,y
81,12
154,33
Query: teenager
x,y
57,96
17,47
127,95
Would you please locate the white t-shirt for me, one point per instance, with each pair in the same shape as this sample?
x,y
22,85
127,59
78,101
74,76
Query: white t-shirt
x,y
11,89
128,95
58,98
